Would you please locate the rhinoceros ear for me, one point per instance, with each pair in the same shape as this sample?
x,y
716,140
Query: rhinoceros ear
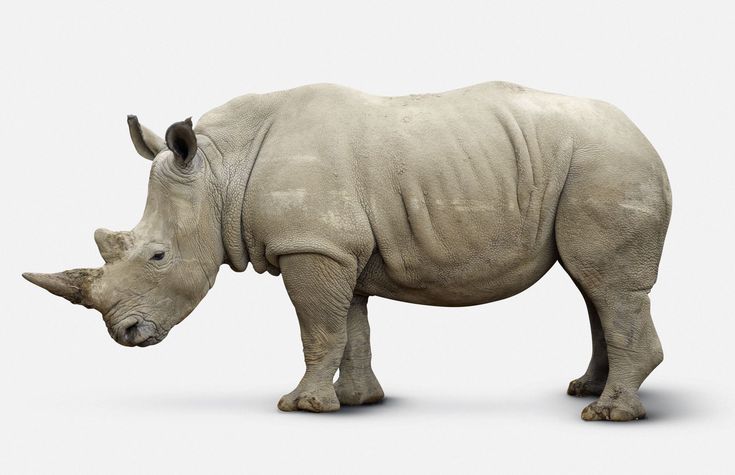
x,y
147,144
182,140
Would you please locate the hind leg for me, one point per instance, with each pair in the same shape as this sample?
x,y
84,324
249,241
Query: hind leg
x,y
633,348
634,351
592,382
610,228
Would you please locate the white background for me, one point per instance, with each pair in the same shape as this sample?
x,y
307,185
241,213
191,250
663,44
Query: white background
x,y
478,389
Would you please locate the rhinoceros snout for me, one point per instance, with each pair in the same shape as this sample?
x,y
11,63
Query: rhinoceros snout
x,y
136,331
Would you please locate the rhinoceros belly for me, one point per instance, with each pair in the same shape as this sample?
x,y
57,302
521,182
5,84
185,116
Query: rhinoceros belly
x,y
486,261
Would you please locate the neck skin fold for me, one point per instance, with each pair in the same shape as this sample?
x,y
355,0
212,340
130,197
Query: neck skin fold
x,y
231,170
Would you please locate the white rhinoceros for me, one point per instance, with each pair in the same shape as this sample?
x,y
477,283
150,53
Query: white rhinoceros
x,y
451,199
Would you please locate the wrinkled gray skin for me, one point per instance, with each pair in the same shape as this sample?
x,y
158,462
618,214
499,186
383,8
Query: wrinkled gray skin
x,y
451,199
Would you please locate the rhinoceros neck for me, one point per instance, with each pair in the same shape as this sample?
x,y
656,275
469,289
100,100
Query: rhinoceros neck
x,y
237,130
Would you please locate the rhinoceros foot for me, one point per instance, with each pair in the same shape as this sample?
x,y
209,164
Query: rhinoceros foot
x,y
311,399
586,386
615,405
357,389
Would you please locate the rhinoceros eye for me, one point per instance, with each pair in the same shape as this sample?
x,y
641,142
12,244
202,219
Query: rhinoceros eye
x,y
158,256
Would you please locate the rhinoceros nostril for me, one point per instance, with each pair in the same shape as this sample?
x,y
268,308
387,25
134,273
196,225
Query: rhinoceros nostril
x,y
131,331
134,330
126,331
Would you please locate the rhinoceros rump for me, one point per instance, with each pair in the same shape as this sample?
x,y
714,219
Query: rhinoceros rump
x,y
451,199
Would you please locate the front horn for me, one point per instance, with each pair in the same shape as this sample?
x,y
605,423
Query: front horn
x,y
74,285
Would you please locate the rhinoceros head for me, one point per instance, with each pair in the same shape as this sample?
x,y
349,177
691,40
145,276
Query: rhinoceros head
x,y
155,274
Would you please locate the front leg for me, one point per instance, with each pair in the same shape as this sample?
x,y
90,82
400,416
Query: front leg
x,y
320,289
357,383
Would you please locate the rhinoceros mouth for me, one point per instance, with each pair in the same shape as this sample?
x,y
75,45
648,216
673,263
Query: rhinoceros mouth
x,y
153,340
136,330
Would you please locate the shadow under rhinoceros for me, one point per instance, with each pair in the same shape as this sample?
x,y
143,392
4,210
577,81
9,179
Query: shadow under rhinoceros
x,y
663,405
